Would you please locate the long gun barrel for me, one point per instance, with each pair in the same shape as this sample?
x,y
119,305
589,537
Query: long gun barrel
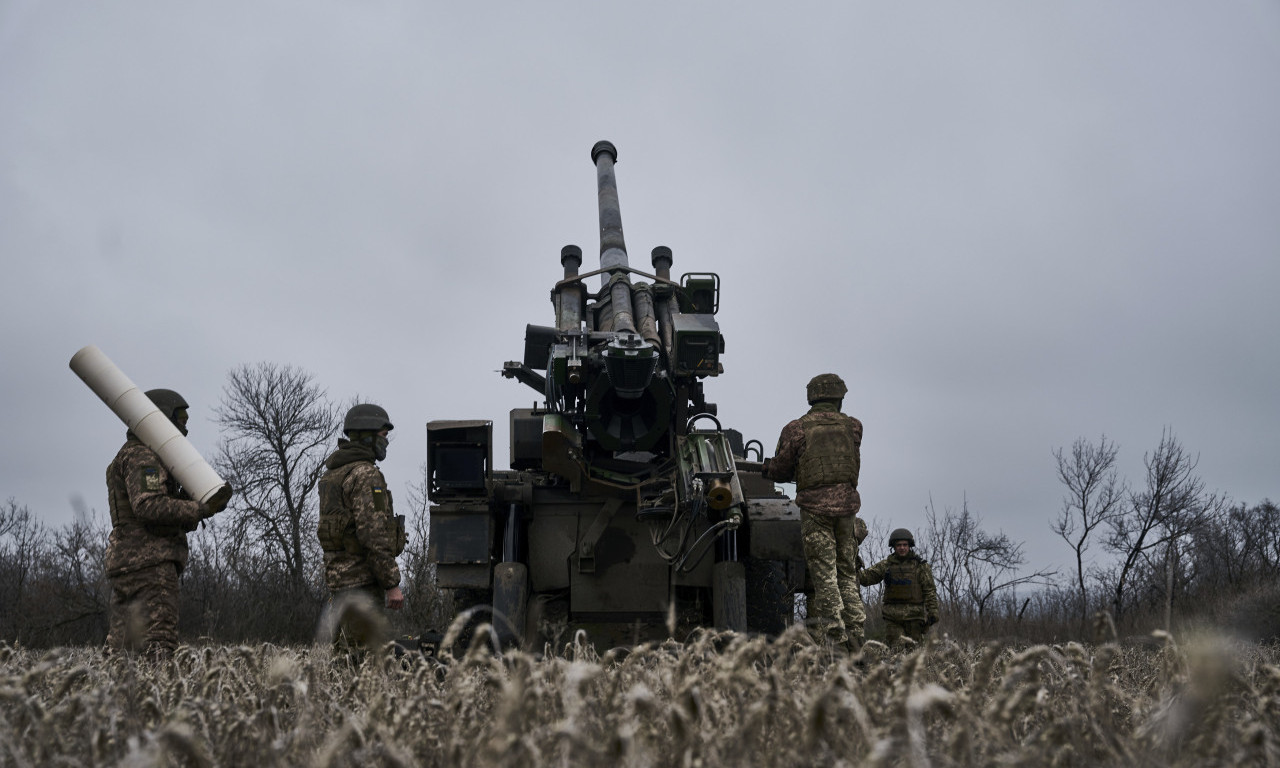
x,y
613,247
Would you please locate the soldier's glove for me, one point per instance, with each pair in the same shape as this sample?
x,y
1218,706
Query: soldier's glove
x,y
931,620
216,503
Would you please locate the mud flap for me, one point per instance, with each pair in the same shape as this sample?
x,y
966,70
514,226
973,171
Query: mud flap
x,y
770,597
510,602
729,595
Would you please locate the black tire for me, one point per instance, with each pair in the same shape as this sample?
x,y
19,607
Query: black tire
x,y
477,606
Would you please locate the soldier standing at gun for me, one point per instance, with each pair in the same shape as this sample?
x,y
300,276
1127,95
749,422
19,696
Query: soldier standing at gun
x,y
821,451
910,597
359,531
147,550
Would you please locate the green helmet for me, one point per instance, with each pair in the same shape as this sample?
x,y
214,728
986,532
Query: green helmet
x,y
902,534
172,405
166,400
366,417
826,386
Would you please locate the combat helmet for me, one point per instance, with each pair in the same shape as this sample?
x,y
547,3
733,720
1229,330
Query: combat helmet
x,y
172,405
167,401
902,534
826,386
366,417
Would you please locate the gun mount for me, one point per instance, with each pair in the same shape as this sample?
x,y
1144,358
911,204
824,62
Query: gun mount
x,y
628,510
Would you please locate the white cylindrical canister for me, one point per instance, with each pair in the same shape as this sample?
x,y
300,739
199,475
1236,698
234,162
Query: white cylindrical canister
x,y
147,422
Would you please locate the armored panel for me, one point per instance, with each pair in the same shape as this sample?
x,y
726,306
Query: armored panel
x,y
463,576
461,534
698,344
552,535
459,457
627,575
775,528
526,438
537,345
756,485
702,289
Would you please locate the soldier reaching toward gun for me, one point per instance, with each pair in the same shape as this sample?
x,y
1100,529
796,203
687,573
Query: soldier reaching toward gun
x,y
147,550
821,451
910,597
359,532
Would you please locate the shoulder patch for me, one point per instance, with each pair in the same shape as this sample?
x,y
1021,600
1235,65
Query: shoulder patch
x,y
151,479
379,498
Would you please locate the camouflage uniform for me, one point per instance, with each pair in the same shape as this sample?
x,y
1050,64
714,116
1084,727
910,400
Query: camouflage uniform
x,y
910,597
361,537
828,516
147,549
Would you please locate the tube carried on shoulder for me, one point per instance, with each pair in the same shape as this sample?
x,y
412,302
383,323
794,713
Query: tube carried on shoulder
x,y
147,422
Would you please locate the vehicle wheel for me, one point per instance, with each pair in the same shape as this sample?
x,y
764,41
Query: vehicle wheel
x,y
471,609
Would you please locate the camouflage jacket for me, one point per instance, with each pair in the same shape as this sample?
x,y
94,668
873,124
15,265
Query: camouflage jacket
x,y
833,500
150,516
355,511
909,591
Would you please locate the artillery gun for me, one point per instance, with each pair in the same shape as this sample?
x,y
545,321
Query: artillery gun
x,y
627,510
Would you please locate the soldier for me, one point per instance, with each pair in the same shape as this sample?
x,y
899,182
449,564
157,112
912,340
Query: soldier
x,y
821,451
147,549
910,598
359,531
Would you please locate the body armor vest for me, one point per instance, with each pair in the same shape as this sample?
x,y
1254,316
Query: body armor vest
x,y
337,531
337,528
902,583
830,454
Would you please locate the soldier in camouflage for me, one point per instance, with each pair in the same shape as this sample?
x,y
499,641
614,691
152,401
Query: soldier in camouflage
x,y
147,549
910,597
360,532
821,452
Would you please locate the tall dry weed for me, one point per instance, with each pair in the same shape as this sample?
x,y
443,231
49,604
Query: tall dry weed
x,y
718,699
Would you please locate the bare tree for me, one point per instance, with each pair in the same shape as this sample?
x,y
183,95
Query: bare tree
x,y
13,517
23,548
1258,530
426,605
1095,495
278,423
1172,506
971,566
78,578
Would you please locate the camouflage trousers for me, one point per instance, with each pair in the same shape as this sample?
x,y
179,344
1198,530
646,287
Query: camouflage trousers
x,y
144,610
836,614
895,630
356,620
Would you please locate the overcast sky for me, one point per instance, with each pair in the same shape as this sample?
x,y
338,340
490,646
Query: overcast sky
x,y
1007,225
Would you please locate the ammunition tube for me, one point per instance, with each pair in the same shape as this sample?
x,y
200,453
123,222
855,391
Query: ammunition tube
x,y
720,494
147,422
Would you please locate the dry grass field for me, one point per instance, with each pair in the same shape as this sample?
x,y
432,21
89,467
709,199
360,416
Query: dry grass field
x,y
715,701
